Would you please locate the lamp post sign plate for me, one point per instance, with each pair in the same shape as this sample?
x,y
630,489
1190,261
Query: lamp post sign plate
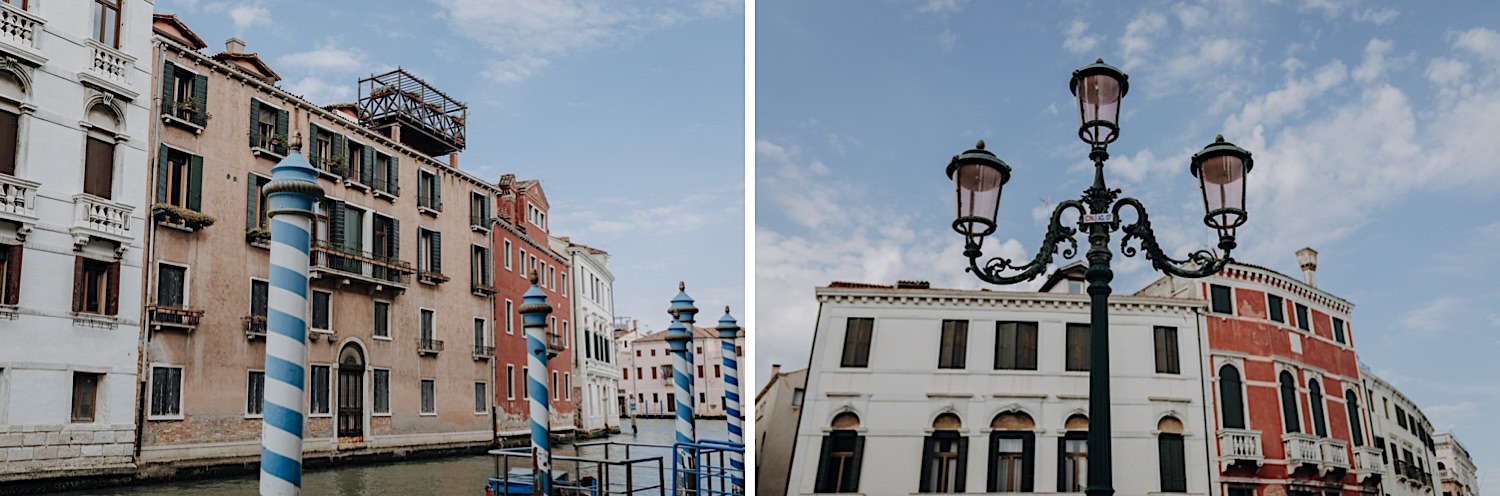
x,y
1102,218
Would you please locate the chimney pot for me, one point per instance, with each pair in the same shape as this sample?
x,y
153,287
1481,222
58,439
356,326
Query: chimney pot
x,y
234,45
1307,258
775,369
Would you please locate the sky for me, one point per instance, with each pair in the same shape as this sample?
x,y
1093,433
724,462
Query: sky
x,y
1373,126
630,113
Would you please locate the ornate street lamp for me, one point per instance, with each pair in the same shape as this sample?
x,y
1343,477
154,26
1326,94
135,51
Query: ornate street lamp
x,y
978,177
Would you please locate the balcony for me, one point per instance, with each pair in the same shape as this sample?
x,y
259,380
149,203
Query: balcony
x,y
95,217
485,290
554,342
18,30
1239,445
255,326
175,316
428,204
432,278
1335,454
484,352
18,203
479,223
1402,474
347,266
1367,464
109,69
429,121
1301,449
429,347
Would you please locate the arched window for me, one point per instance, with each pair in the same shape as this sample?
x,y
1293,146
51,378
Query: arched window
x,y
1173,460
1315,396
1012,453
1073,455
1356,433
1231,398
1289,402
838,467
944,457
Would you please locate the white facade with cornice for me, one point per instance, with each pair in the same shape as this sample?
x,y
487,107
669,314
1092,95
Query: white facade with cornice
x,y
77,96
902,396
594,354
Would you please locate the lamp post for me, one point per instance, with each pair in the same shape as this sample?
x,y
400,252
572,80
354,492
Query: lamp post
x,y
978,177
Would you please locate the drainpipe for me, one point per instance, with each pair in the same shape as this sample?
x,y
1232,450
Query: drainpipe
x,y
1208,411
493,336
146,272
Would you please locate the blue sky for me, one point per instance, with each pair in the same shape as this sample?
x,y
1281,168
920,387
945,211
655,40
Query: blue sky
x,y
1374,127
630,113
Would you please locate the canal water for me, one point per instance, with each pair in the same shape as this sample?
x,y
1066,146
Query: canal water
x,y
458,475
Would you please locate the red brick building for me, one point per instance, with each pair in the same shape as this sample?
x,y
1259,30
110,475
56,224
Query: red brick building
x,y
1288,409
522,247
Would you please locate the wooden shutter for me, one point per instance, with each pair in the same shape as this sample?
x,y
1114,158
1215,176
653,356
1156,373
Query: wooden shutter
x,y
259,297
435,252
1173,464
336,223
168,79
1026,345
9,138
77,284
924,480
254,122
252,202
962,472
1078,347
99,168
1289,403
366,165
339,151
112,302
312,145
200,93
854,463
437,193
1231,399
393,175
1005,346
195,183
1351,401
281,128
13,274
1028,461
163,174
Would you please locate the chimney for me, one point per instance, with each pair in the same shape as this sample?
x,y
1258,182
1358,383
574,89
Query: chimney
x,y
775,369
1307,258
234,45
453,160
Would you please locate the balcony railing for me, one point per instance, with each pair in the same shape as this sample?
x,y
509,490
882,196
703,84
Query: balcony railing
x,y
18,27
110,64
484,351
1335,453
365,265
554,343
431,121
428,346
383,185
94,216
1367,462
18,199
428,201
484,289
1239,445
479,221
174,316
1301,449
255,326
426,277
1401,471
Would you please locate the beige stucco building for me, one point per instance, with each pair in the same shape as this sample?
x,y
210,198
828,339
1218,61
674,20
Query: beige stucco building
x,y
777,408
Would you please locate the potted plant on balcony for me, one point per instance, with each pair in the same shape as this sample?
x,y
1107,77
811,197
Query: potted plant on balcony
x,y
178,216
258,236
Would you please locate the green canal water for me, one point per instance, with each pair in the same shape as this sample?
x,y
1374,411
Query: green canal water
x,y
458,475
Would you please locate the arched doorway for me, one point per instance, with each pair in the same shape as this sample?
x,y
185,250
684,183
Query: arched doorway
x,y
351,393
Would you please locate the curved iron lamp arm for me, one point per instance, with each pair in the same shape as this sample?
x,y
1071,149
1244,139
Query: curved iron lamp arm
x,y
1056,234
1207,262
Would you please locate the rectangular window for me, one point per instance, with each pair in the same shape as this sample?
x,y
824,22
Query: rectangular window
x,y
1173,463
1166,351
322,310
555,396
96,286
481,398
10,137
429,193
255,393
1015,346
107,22
567,385
954,345
510,382
166,391
1072,462
716,372
181,179
429,396
1011,461
99,167
702,398
480,339
427,327
259,300
507,254
700,371
1302,320
1078,347
857,334
1276,308
479,266
1222,299
85,396
429,251
319,389
523,263
382,319
1338,330
257,205
510,321
479,210
171,285
943,460
839,465
1401,417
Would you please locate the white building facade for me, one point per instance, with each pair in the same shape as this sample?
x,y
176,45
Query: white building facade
x,y
74,97
1410,455
911,389
649,366
1456,469
597,375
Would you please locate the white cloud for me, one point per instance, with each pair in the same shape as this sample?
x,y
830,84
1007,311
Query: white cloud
x,y
1292,98
1375,63
1435,316
249,16
1445,417
1444,71
327,58
941,7
1191,16
1077,42
948,40
527,35
315,89
1378,17
1137,41
1480,41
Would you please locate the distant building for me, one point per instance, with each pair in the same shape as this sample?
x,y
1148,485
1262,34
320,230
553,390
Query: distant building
x,y
649,385
914,389
778,406
598,381
1410,454
1456,469
75,89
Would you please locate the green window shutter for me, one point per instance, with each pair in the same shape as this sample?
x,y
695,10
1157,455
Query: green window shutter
x,y
366,165
336,224
394,239
393,174
437,252
195,184
254,121
312,145
161,174
281,127
252,215
437,192
168,78
200,93
339,152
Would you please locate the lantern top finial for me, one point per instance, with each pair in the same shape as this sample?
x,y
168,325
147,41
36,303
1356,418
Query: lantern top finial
x,y
1219,139
980,145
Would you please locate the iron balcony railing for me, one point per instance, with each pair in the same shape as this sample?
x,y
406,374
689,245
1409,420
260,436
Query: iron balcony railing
x,y
174,315
384,185
255,326
326,255
400,96
429,201
484,289
484,351
429,346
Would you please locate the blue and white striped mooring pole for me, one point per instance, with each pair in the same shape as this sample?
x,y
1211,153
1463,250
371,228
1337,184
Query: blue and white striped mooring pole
x,y
292,192
534,310
679,339
729,329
